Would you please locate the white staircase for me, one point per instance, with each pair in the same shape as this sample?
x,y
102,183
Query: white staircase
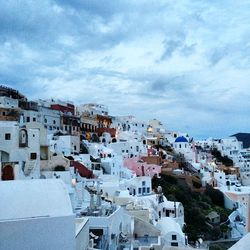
x,y
29,167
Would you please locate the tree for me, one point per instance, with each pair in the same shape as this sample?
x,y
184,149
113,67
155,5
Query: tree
x,y
215,195
224,159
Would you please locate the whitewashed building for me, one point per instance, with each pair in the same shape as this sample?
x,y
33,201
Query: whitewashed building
x,y
36,214
19,151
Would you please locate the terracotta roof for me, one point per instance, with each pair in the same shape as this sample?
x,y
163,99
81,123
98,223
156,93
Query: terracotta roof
x,y
82,170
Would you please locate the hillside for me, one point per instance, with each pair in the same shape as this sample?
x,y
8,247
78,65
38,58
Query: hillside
x,y
243,137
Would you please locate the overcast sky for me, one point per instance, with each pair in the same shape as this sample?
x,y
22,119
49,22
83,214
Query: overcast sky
x,y
183,62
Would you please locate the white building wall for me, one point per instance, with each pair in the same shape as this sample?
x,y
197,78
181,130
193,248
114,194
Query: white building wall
x,y
93,109
48,233
128,148
180,239
7,102
82,238
51,119
18,154
30,116
129,123
230,147
66,144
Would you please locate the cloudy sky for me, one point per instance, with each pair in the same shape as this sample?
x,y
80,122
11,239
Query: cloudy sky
x,y
186,62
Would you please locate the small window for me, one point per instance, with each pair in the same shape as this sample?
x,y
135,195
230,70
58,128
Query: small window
x,y
139,190
28,119
143,183
33,156
7,136
148,190
45,120
54,122
174,237
174,244
3,113
34,119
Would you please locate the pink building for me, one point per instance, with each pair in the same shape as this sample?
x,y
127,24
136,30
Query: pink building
x,y
141,168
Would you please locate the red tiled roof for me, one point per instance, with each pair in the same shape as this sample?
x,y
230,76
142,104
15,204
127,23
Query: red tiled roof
x,y
82,170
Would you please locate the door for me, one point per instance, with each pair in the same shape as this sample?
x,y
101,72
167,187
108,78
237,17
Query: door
x,y
7,173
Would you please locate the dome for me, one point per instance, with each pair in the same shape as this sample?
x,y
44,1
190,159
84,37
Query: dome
x,y
181,139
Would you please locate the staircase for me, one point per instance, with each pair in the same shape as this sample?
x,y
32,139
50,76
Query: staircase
x,y
29,167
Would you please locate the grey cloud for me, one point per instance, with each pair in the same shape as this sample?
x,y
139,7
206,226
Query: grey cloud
x,y
188,50
217,55
170,47
46,48
170,83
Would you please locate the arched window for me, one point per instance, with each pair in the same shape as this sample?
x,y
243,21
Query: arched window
x,y
23,138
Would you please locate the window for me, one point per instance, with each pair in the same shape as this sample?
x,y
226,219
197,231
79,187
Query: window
x,y
143,183
174,237
34,119
148,190
45,120
28,119
33,156
144,190
7,136
54,122
3,113
174,244
139,190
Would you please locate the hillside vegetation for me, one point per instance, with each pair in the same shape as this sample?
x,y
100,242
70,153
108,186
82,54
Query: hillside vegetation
x,y
196,206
